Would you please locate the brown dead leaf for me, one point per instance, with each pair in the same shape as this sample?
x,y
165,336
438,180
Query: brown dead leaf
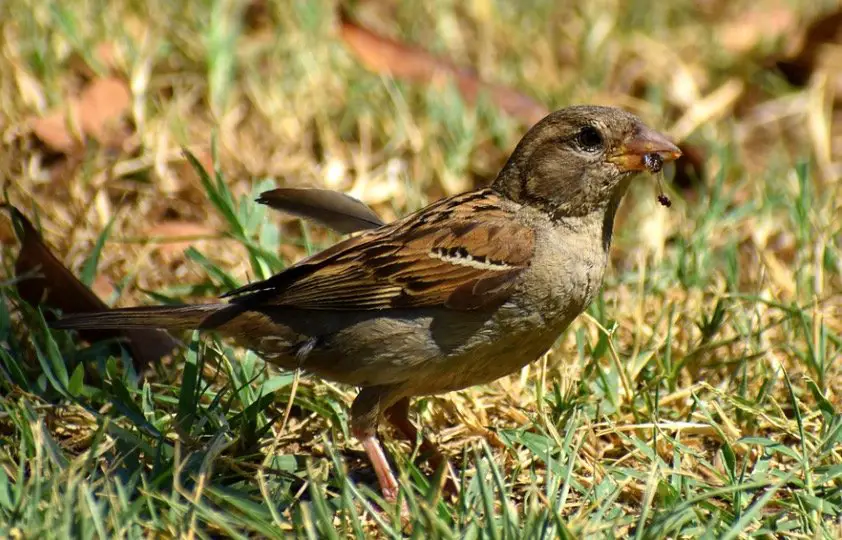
x,y
102,107
388,57
43,280
744,31
53,130
98,113
172,237
823,34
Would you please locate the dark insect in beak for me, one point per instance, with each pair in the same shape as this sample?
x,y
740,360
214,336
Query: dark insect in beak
x,y
654,162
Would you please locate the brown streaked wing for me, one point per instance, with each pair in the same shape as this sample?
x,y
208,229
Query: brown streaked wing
x,y
463,253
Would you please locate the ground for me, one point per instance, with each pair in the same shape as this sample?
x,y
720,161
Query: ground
x,y
699,396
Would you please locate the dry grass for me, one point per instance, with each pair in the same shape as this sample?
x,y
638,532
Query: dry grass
x,y
700,396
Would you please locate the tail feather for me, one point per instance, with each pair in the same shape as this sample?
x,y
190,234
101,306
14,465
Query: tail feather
x,y
183,317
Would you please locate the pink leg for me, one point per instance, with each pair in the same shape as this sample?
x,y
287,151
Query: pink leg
x,y
387,481
365,413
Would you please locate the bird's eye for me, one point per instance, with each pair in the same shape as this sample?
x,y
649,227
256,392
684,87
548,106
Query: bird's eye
x,y
589,138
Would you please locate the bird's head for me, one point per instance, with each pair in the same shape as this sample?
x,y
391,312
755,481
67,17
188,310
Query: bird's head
x,y
578,160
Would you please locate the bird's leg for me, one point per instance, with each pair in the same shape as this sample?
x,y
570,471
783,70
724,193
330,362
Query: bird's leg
x,y
387,481
365,412
398,416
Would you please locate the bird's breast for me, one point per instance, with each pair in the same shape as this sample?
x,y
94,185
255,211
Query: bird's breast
x,y
565,275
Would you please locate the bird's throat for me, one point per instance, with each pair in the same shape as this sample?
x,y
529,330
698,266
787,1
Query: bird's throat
x,y
611,213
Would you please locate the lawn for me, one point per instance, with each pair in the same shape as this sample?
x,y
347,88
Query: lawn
x,y
700,396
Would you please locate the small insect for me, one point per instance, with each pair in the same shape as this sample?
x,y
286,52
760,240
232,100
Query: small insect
x,y
654,162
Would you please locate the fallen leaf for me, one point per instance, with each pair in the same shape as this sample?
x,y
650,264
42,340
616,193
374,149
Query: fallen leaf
x,y
102,107
822,34
43,280
747,29
326,207
389,57
172,237
53,130
98,112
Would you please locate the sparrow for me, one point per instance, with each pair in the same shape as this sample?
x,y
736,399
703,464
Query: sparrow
x,y
462,292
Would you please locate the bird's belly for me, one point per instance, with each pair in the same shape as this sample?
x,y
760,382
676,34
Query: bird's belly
x,y
517,341
439,353
486,363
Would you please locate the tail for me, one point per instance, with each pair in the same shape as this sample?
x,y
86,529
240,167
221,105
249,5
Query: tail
x,y
184,317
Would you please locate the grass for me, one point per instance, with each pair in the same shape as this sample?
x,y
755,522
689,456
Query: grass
x,y
698,397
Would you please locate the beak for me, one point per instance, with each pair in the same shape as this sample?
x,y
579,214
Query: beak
x,y
630,157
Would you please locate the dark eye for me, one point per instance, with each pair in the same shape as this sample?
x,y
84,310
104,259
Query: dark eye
x,y
589,138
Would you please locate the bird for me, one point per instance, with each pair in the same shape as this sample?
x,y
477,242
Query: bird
x,y
462,292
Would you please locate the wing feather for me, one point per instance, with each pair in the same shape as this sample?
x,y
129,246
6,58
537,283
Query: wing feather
x,y
462,253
